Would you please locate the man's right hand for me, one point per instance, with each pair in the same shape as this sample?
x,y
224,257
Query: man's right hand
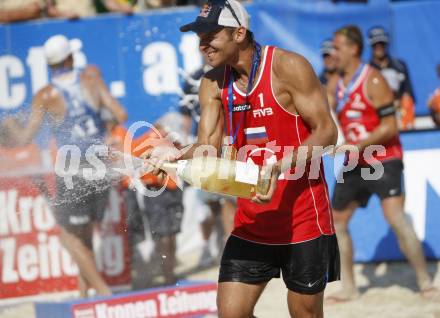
x,y
156,156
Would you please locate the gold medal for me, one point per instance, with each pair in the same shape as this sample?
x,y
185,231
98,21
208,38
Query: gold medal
x,y
228,150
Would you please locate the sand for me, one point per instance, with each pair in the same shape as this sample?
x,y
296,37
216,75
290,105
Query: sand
x,y
388,291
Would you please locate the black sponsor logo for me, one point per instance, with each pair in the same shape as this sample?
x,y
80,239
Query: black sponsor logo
x,y
241,108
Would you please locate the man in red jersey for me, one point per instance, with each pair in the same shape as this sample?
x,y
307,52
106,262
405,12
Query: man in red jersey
x,y
268,100
364,105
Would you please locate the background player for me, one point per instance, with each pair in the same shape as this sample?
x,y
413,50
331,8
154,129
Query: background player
x,y
74,103
365,110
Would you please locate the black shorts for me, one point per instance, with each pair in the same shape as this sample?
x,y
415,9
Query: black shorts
x,y
306,267
83,204
165,213
355,188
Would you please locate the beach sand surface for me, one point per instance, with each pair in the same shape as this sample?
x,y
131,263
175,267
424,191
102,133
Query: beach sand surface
x,y
388,290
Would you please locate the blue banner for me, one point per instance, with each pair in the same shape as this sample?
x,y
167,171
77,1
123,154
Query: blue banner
x,y
416,43
301,27
144,57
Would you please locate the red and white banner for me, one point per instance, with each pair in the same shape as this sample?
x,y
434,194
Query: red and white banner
x,y
111,244
184,301
32,260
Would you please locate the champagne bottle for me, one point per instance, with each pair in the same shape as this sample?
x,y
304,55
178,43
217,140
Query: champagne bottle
x,y
220,175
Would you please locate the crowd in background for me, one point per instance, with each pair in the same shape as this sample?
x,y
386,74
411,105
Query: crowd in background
x,y
23,10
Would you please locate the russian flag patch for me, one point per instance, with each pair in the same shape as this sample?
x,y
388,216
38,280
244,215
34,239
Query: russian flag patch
x,y
256,135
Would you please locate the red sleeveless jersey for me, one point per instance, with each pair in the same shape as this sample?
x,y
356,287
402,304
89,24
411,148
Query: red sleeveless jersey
x,y
358,118
300,209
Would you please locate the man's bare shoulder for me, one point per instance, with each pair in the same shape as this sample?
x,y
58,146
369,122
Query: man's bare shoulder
x,y
375,76
90,72
291,66
376,81
46,95
287,61
378,89
212,82
215,75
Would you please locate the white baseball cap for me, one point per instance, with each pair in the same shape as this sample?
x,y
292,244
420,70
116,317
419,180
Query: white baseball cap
x,y
216,14
377,35
57,48
327,47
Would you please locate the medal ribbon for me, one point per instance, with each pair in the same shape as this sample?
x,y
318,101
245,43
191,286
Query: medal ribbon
x,y
256,58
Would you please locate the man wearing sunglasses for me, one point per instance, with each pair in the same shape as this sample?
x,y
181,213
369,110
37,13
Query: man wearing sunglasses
x,y
396,74
328,61
267,100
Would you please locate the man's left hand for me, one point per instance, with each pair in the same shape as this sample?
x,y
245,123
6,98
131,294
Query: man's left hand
x,y
271,172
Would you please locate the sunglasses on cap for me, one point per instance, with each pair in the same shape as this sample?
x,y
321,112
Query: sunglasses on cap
x,y
226,4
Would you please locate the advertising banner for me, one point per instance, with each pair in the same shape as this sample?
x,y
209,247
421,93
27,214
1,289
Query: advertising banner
x,y
32,259
186,300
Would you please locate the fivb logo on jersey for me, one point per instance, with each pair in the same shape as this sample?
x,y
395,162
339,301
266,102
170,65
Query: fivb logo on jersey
x,y
259,112
263,111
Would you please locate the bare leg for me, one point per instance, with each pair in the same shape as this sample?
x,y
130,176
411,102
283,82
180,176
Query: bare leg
x,y
349,290
305,306
408,241
167,250
83,286
77,241
237,300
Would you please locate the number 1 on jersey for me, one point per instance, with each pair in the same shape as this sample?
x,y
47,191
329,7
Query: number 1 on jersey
x,y
260,96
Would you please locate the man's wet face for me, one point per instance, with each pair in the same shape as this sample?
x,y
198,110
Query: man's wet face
x,y
343,52
214,46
